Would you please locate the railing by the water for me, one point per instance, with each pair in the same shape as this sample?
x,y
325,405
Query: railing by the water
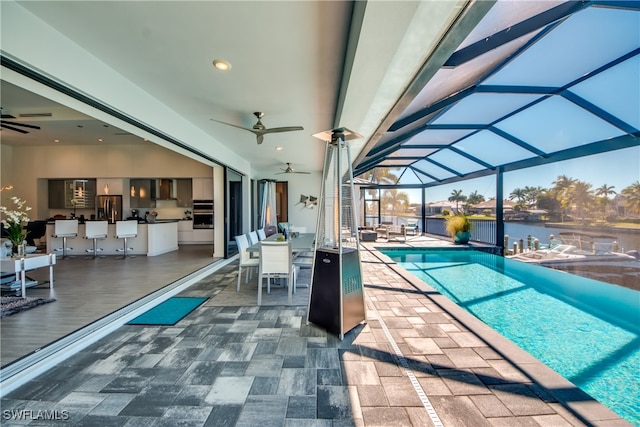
x,y
482,230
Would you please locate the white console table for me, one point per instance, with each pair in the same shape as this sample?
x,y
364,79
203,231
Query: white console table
x,y
20,266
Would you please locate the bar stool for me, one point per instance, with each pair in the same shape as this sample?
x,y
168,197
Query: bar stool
x,y
126,230
65,229
96,230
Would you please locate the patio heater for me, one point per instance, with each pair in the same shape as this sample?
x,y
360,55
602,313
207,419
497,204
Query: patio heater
x,y
336,297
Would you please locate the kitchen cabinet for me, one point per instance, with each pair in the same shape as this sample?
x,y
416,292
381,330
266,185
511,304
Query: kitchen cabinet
x,y
110,186
185,232
72,193
202,188
142,193
203,236
56,194
184,193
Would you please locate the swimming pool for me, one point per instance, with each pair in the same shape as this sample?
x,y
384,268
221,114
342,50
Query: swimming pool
x,y
587,331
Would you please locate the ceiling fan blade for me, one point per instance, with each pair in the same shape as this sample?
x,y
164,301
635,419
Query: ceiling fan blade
x,y
259,138
282,129
6,126
235,126
306,173
4,122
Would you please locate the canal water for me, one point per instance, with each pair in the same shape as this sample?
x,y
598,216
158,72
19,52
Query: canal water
x,y
626,241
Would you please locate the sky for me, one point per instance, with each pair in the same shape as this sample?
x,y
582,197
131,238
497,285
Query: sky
x,y
618,168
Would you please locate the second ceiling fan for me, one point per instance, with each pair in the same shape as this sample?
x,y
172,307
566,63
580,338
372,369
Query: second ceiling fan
x,y
260,130
289,169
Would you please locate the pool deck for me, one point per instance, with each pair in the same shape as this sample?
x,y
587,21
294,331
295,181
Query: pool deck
x,y
419,360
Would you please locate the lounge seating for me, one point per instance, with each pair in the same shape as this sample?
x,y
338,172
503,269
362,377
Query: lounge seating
x,y
412,227
392,232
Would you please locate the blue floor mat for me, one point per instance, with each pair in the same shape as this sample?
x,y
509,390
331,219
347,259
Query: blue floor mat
x,y
169,312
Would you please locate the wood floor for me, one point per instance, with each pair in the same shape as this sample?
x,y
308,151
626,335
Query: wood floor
x,y
87,290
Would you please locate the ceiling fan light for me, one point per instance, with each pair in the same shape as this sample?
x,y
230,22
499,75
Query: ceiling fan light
x,y
279,148
221,65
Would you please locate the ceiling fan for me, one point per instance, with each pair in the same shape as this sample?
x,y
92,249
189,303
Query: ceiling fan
x,y
289,169
12,125
260,130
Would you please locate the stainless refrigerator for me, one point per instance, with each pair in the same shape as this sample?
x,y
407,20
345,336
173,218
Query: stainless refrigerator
x,y
109,208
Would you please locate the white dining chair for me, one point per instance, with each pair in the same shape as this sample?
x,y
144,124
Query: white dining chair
x,y
253,238
65,229
276,261
246,261
261,234
126,230
96,230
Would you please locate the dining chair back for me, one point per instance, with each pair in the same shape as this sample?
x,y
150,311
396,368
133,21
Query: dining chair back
x,y
253,238
96,230
276,262
246,262
261,234
65,229
126,230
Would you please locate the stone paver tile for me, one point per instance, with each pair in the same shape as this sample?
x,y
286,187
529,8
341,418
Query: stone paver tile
x,y
196,414
372,395
264,386
434,387
422,346
400,391
112,404
263,410
449,327
223,416
463,383
237,352
490,406
265,366
334,402
388,369
551,420
361,373
467,339
458,411
192,395
397,323
445,343
465,358
521,400
302,407
514,422
429,330
326,358
297,382
292,346
487,353
229,391
385,417
508,371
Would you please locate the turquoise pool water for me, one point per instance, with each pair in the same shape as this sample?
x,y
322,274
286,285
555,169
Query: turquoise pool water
x,y
587,331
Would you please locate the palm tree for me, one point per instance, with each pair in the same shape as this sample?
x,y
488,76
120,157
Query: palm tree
x,y
561,187
457,196
604,191
397,200
632,196
475,198
581,195
519,195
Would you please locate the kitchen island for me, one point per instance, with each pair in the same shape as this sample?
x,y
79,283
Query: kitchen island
x,y
153,239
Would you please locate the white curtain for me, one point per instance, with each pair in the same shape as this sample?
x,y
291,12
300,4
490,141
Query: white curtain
x,y
268,206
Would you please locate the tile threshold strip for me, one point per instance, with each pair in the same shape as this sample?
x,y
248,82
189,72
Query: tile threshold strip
x,y
403,361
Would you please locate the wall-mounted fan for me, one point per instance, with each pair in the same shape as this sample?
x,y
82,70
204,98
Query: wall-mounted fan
x,y
5,124
260,130
289,169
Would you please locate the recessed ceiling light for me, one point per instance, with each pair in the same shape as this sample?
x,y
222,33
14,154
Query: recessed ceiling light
x,y
279,148
56,140
100,139
221,65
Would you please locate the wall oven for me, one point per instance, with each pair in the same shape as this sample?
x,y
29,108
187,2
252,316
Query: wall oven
x,y
202,214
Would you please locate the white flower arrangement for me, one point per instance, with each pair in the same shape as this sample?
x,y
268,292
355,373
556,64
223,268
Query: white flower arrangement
x,y
14,220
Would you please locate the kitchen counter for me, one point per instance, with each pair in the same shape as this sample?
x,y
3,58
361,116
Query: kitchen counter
x,y
153,239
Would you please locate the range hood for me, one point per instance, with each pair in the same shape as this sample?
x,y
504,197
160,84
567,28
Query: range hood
x,y
166,189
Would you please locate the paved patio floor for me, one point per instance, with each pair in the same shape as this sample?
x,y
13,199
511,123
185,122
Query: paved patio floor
x,y
418,360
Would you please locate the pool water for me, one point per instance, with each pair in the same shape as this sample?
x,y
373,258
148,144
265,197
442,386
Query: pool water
x,y
587,331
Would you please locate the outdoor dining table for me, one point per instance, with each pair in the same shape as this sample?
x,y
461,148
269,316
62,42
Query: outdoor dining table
x,y
304,242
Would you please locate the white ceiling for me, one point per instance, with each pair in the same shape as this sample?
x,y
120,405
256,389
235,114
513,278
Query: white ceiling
x,y
288,61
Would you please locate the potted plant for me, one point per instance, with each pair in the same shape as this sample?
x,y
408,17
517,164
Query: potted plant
x,y
458,226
